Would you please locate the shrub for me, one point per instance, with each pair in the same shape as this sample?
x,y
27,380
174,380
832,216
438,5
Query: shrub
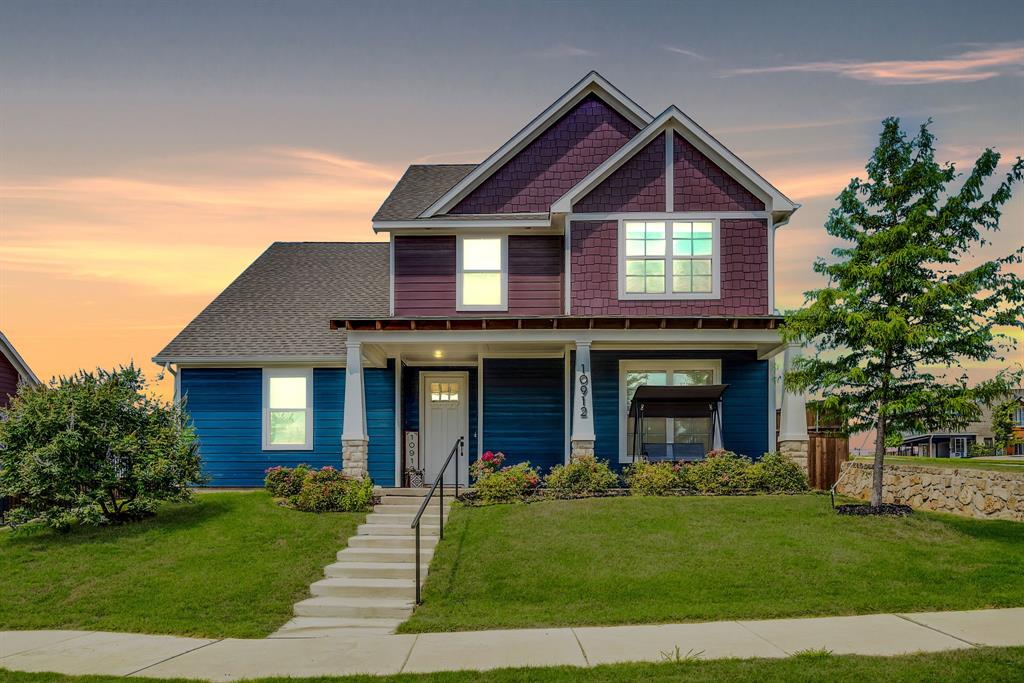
x,y
487,463
507,484
775,473
285,482
654,478
94,448
583,476
328,490
720,472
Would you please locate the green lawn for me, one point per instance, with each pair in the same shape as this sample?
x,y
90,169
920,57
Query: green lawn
x,y
953,463
229,564
991,665
652,560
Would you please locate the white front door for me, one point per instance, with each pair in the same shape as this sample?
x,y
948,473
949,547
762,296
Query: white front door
x,y
444,417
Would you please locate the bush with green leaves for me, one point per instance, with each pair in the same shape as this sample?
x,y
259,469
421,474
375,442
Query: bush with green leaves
x,y
655,478
775,473
94,448
721,471
285,482
583,476
508,484
328,490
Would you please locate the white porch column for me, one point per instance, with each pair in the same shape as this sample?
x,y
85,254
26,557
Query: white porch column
x,y
582,439
793,440
354,440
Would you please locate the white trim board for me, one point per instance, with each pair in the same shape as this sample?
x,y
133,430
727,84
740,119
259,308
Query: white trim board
x,y
592,83
268,373
460,271
15,359
667,259
674,120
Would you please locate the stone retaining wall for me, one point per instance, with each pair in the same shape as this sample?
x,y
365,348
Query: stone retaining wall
x,y
984,494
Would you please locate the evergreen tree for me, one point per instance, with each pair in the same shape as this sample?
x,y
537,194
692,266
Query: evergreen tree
x,y
901,312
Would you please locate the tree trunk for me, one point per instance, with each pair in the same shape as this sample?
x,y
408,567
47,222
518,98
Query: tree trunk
x,y
876,470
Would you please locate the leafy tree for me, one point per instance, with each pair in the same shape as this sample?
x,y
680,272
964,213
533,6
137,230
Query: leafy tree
x,y
900,312
94,448
1002,424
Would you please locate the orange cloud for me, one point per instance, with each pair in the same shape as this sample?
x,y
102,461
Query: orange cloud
x,y
966,67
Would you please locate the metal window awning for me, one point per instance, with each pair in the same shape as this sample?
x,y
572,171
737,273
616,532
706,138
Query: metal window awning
x,y
699,400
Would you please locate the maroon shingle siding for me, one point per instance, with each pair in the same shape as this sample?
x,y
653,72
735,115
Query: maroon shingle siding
x,y
638,185
594,290
700,185
425,272
545,169
8,381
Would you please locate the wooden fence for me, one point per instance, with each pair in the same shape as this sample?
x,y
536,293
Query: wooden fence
x,y
825,455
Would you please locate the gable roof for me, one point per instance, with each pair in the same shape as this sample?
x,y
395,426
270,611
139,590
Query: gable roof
x,y
592,83
280,307
419,187
675,120
15,359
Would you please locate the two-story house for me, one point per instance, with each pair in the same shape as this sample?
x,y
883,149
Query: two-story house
x,y
518,303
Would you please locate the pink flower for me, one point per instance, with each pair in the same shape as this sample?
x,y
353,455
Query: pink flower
x,y
487,457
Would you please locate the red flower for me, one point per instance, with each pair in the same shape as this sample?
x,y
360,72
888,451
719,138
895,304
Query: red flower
x,y
487,457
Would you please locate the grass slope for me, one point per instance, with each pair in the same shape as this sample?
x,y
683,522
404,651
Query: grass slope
x,y
229,564
651,560
952,463
991,665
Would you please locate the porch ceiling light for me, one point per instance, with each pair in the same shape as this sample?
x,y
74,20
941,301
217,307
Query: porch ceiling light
x,y
438,353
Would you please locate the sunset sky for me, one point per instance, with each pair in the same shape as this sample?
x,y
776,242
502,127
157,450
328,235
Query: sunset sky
x,y
150,150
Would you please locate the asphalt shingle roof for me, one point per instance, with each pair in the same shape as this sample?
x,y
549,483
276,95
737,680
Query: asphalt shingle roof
x,y
418,188
282,304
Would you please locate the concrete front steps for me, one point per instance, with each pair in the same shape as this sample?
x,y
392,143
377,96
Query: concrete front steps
x,y
372,586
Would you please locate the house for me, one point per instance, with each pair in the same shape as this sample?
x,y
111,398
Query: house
x,y
13,371
517,303
958,444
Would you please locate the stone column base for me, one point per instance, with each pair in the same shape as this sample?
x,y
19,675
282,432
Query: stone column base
x,y
797,451
354,458
581,447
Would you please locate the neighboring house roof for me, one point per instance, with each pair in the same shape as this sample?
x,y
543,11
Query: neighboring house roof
x,y
15,359
280,307
418,188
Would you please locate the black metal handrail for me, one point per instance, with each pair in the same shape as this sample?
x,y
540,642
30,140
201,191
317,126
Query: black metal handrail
x,y
457,448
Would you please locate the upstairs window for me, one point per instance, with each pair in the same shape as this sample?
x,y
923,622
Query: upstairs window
x,y
482,274
669,259
288,409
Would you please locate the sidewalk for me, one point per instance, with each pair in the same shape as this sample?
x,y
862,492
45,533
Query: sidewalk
x,y
85,652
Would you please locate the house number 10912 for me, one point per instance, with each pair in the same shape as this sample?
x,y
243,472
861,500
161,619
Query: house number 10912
x,y
584,389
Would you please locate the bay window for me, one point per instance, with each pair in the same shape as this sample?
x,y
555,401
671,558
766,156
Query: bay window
x,y
669,259
482,283
288,409
677,436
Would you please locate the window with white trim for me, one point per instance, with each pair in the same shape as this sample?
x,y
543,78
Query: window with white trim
x,y
668,432
482,273
669,259
288,409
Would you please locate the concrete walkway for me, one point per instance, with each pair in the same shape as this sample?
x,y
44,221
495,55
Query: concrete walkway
x,y
84,652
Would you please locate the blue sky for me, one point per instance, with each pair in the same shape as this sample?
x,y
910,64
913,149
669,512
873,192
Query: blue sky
x,y
151,150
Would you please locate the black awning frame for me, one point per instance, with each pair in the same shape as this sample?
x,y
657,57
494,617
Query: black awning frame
x,y
698,400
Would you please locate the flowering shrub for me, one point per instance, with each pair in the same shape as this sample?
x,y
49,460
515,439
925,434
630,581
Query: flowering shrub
x,y
487,463
721,471
285,482
655,478
583,476
775,473
323,490
507,484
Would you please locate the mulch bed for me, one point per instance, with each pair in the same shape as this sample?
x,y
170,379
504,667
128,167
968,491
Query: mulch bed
x,y
885,510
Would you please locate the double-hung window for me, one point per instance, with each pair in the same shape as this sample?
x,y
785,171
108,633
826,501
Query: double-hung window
x,y
288,409
669,259
482,283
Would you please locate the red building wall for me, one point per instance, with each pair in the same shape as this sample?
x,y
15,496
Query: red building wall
x,y
700,185
8,381
744,271
638,185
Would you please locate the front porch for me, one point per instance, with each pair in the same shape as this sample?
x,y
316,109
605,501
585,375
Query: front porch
x,y
543,391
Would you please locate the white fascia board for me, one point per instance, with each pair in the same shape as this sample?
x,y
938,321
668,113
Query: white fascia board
x,y
428,224
591,83
672,119
251,361
15,359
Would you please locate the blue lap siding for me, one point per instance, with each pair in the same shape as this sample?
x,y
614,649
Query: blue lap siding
x,y
744,405
226,408
524,410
